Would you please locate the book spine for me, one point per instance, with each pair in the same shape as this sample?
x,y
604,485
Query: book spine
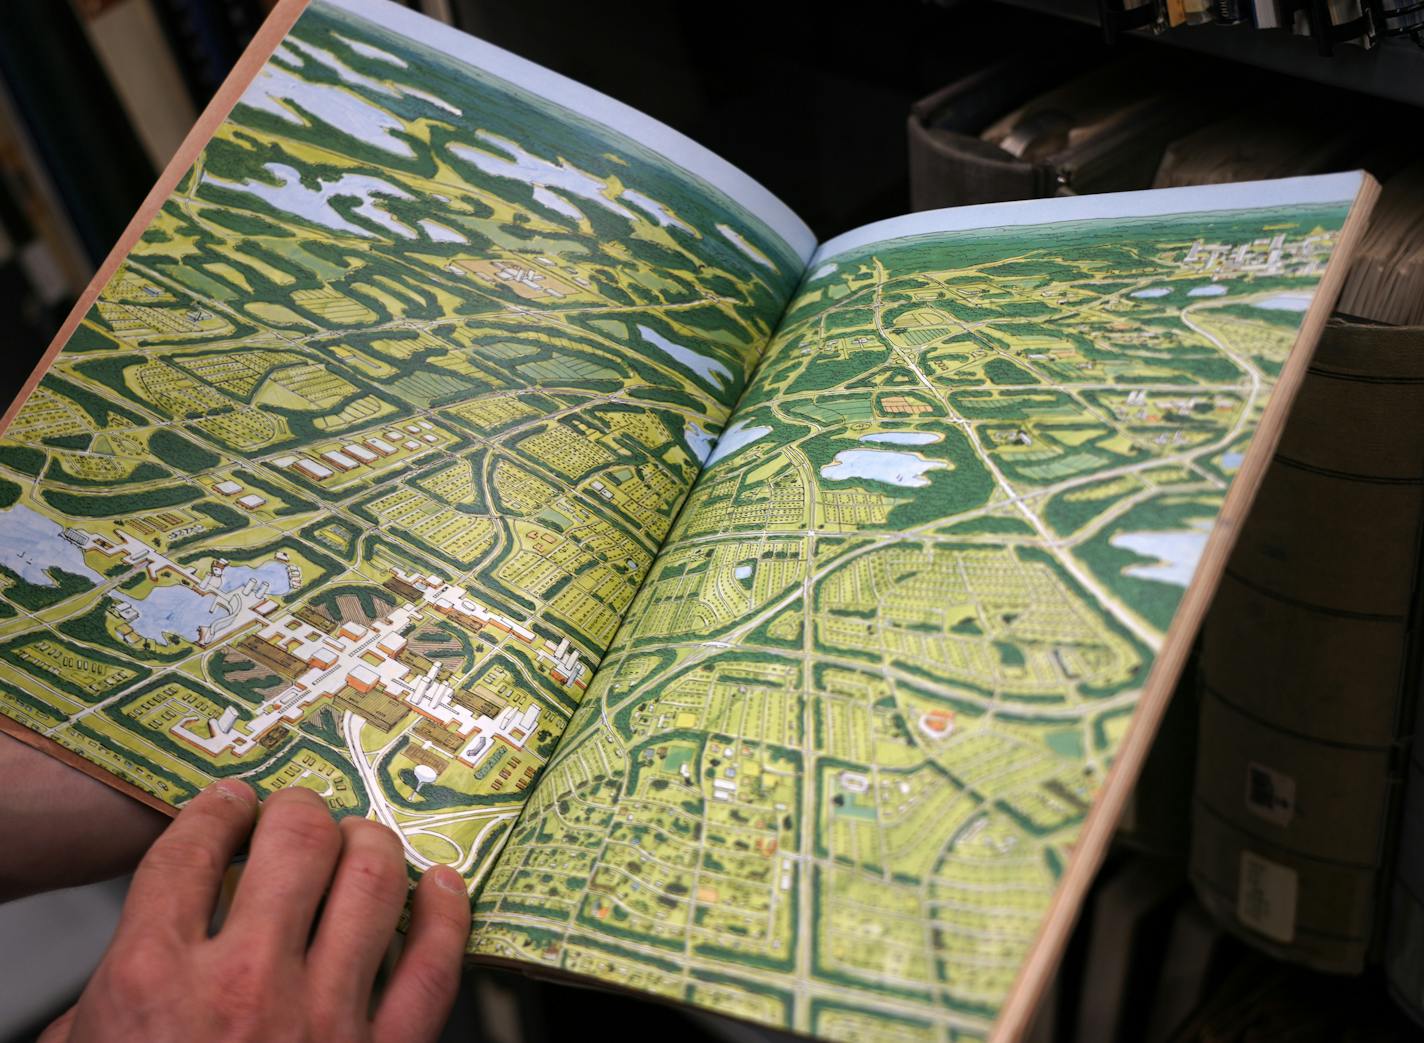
x,y
1305,663
127,37
71,115
206,37
440,10
38,281
1267,14
29,185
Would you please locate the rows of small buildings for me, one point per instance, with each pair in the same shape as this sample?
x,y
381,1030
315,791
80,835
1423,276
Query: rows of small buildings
x,y
365,668
370,670
412,437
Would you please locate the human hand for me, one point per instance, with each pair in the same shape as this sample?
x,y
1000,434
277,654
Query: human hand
x,y
277,970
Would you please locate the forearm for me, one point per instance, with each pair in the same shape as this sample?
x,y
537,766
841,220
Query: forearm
x,y
60,828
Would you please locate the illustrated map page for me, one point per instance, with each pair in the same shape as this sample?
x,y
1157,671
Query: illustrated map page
x,y
349,475
366,472
831,772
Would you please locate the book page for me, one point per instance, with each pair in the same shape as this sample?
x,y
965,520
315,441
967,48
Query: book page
x,y
838,762
357,458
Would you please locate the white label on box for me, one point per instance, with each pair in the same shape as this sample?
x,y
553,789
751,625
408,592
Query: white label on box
x,y
1269,794
1265,899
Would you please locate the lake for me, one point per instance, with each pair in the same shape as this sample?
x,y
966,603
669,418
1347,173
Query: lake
x,y
657,211
30,544
175,609
335,106
1284,302
178,609
1176,552
736,437
698,439
521,165
903,437
441,233
291,196
709,369
744,244
273,573
881,465
366,50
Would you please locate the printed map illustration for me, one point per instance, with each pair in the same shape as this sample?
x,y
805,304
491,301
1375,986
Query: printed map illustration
x,y
349,476
834,766
388,464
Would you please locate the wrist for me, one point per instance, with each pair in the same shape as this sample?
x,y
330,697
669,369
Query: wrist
x,y
60,828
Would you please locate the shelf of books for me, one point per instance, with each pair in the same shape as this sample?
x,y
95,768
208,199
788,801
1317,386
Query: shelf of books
x,y
1392,68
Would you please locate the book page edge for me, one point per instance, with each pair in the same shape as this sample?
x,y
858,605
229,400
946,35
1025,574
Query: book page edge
x,y
63,754
272,31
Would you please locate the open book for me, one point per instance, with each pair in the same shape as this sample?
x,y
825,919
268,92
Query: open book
x,y
771,627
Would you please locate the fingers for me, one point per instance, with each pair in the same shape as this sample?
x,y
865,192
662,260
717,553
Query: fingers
x,y
59,1029
423,986
359,919
177,883
294,851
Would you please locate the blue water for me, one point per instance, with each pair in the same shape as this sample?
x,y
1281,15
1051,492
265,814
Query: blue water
x,y
545,176
880,465
294,196
365,50
440,233
178,609
273,573
736,437
1152,291
657,211
709,369
1284,302
698,439
557,203
175,609
334,105
1177,554
30,543
1210,290
902,437
1231,461
743,244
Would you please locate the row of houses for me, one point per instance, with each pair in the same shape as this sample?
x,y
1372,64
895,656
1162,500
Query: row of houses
x,y
417,435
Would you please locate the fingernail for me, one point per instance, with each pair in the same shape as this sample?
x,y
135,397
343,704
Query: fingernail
x,y
231,789
447,878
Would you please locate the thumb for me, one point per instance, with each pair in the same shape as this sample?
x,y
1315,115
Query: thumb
x,y
59,1029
